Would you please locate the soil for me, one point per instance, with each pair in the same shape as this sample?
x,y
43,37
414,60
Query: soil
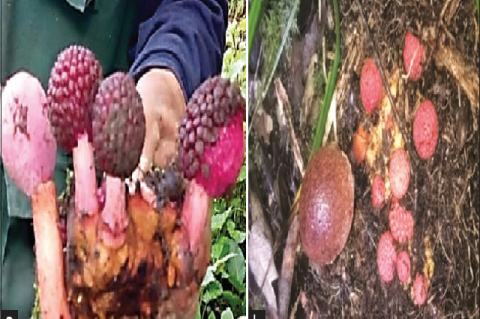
x,y
443,193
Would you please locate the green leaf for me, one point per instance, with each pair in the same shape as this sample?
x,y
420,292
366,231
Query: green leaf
x,y
244,303
220,248
227,314
236,266
255,13
197,313
243,174
219,219
209,277
243,25
224,260
211,315
237,235
233,299
332,78
212,292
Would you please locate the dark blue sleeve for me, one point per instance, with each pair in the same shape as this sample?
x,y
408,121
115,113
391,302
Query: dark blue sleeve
x,y
186,36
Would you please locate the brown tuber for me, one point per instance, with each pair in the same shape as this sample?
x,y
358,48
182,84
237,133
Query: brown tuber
x,y
326,205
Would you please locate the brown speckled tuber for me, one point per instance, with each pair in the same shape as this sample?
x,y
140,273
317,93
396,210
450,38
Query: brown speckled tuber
x,y
326,205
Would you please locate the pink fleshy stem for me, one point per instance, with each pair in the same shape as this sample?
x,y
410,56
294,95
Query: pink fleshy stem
x,y
114,218
85,180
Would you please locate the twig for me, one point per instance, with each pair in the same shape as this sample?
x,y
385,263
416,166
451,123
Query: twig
x,y
295,306
284,105
288,266
464,74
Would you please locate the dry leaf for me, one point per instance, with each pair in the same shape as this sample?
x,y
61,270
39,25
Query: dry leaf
x,y
264,125
260,254
309,111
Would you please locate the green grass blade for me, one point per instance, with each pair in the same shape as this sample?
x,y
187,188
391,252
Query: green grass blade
x,y
322,119
255,14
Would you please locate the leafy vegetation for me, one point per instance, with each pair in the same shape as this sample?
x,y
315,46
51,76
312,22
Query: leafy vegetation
x,y
235,57
273,28
224,286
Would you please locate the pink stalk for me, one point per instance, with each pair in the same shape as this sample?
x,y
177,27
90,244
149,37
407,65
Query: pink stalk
x,y
114,213
196,214
48,251
28,153
85,183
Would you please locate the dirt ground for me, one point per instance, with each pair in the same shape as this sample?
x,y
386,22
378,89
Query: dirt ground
x,y
443,193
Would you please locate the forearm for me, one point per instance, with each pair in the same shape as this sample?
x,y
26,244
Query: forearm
x,y
186,37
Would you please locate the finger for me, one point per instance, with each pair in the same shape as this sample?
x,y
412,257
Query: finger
x,y
137,175
168,145
152,137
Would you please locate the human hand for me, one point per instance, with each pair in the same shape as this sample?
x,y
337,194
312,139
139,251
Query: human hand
x,y
164,105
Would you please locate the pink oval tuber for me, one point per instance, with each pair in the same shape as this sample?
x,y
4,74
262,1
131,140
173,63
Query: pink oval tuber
x,y
399,173
386,257
420,289
403,266
425,130
370,85
413,56
378,191
29,153
401,223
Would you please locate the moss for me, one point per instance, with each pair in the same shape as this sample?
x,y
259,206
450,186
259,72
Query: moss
x,y
272,29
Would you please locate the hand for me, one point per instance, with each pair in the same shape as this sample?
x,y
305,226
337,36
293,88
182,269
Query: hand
x,y
164,105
